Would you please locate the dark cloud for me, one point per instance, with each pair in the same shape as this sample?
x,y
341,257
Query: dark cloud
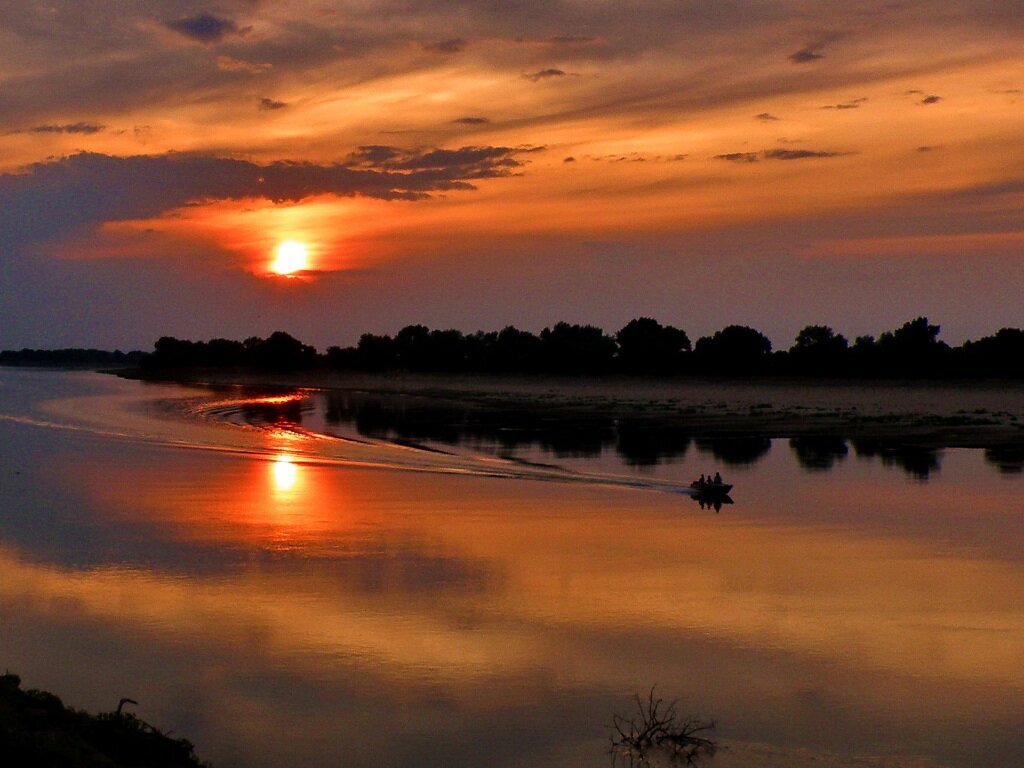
x,y
931,99
851,104
926,149
58,197
570,40
544,74
766,116
86,128
796,154
472,120
457,164
775,154
266,103
738,157
569,159
204,27
453,45
805,56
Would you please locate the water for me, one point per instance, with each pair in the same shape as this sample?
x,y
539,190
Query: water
x,y
292,579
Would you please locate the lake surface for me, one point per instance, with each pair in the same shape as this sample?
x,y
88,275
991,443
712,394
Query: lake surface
x,y
301,579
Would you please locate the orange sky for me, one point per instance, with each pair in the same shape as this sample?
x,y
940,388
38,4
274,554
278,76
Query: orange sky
x,y
458,163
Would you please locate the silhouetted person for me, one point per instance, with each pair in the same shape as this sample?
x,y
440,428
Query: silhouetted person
x,y
718,479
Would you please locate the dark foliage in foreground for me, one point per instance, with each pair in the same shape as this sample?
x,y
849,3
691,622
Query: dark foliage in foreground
x,y
656,733
641,347
36,729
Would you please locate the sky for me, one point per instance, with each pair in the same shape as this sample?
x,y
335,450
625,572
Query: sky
x,y
773,163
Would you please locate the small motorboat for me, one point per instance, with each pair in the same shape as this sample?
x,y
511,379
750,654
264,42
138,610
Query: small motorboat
x,y
711,489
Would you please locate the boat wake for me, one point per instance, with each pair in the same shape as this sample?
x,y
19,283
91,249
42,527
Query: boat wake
x,y
267,426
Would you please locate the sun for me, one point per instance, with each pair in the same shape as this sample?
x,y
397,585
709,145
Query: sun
x,y
291,256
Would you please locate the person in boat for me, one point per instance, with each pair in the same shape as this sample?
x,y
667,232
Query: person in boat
x,y
718,478
701,481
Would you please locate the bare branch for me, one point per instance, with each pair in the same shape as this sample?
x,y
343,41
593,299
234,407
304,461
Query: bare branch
x,y
655,731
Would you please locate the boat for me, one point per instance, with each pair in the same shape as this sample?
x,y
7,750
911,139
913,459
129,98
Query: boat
x,y
711,489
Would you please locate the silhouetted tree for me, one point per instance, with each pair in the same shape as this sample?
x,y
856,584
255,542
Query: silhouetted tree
x,y
647,346
576,349
412,347
279,351
515,351
376,353
224,352
446,351
735,349
911,350
1000,355
818,351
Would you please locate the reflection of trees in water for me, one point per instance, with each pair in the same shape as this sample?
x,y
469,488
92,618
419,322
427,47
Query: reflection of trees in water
x,y
290,411
818,453
1008,459
735,451
918,461
639,442
645,445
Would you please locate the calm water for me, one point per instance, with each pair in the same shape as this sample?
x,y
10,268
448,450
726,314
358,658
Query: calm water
x,y
301,580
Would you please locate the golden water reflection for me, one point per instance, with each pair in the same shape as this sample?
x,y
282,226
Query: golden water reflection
x,y
426,587
285,473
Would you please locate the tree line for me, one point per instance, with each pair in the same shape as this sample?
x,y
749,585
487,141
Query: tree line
x,y
641,347
70,357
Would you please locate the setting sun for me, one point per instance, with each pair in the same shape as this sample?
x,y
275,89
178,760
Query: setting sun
x,y
291,257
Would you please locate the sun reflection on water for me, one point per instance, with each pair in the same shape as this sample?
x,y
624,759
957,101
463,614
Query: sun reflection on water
x,y
285,474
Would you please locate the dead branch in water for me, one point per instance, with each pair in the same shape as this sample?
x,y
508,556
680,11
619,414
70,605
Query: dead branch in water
x,y
656,731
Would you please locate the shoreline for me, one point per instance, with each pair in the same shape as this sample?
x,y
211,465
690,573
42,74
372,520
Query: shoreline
x,y
926,415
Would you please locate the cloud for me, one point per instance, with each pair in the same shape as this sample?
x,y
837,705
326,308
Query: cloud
x,y
569,159
570,40
204,27
926,148
738,157
87,128
931,99
453,45
463,164
58,197
271,104
765,116
776,154
231,64
796,154
472,120
544,74
805,56
851,104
